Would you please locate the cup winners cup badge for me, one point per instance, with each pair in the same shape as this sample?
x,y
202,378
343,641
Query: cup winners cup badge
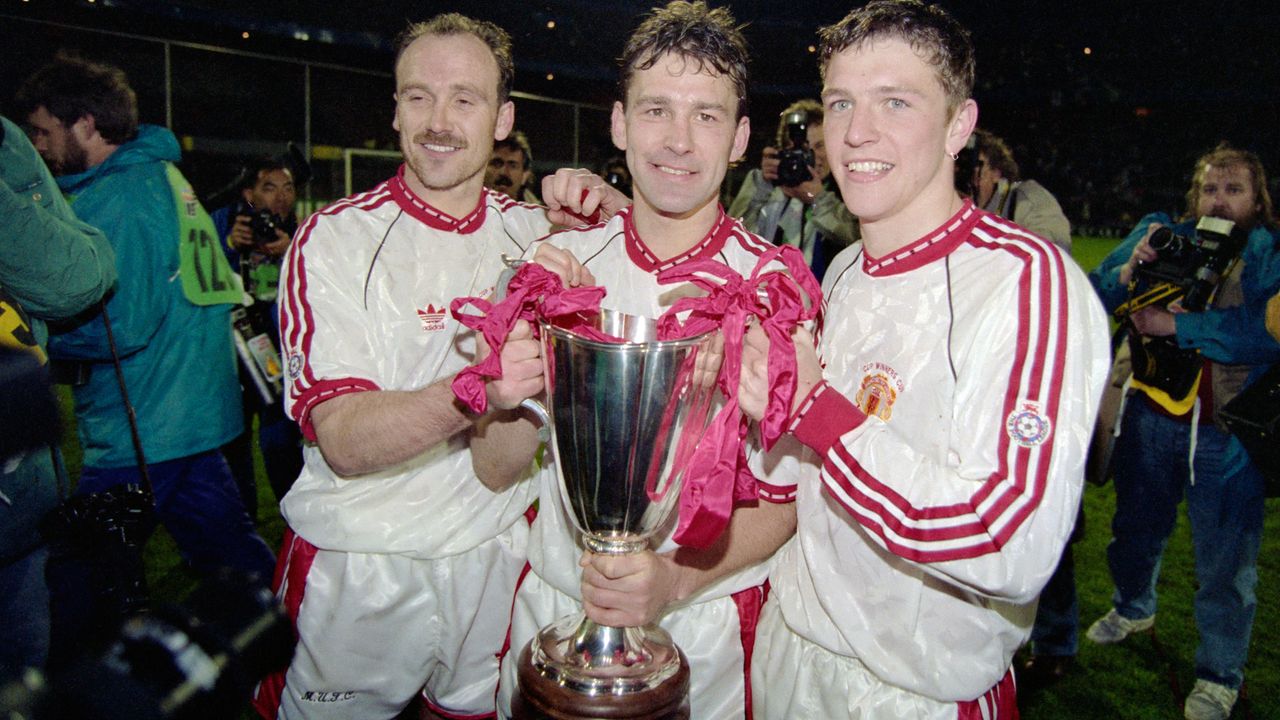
x,y
1028,425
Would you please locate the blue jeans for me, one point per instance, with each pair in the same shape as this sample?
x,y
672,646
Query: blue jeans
x,y
197,501
1058,615
1225,508
24,605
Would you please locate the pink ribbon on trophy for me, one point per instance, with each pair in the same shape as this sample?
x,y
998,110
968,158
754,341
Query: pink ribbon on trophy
x,y
717,474
533,293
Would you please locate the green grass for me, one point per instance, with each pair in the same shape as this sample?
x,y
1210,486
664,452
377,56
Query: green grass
x,y
1134,680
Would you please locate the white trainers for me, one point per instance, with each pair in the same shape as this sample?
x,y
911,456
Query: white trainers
x,y
1209,701
1114,627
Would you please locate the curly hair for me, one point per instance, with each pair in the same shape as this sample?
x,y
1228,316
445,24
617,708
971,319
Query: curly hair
x,y
71,87
692,30
494,37
1222,155
998,154
932,33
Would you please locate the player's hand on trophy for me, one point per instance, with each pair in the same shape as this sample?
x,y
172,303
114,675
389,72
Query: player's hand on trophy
x,y
563,263
521,367
627,590
710,357
753,383
575,196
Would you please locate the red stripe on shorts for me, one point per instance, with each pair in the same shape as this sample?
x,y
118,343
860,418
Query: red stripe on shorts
x,y
998,703
289,585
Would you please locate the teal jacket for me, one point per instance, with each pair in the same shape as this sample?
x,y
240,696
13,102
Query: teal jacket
x,y
52,267
1228,333
178,359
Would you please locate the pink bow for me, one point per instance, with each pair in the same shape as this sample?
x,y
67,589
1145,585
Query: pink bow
x,y
534,293
717,474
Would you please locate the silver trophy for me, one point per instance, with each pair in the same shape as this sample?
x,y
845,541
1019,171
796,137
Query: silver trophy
x,y
624,419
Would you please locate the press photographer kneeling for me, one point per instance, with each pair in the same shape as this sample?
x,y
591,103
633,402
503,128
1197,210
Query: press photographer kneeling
x,y
1189,295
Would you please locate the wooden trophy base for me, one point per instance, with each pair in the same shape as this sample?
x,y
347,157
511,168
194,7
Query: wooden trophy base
x,y
541,699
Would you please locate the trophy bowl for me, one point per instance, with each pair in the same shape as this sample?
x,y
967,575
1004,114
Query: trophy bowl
x,y
624,418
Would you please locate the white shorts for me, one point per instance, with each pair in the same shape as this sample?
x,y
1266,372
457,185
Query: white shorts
x,y
796,678
716,636
375,629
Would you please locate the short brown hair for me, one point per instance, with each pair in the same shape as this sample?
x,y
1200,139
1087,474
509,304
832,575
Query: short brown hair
x,y
1225,154
695,32
517,141
928,29
998,154
71,87
494,37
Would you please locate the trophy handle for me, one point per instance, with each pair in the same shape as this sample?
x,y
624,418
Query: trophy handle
x,y
544,419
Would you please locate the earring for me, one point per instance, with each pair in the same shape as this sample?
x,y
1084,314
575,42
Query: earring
x,y
954,155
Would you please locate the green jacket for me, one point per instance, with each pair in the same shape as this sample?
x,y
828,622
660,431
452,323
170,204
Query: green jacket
x,y
52,267
177,357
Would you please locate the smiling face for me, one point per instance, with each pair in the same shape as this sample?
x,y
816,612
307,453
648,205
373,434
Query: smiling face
x,y
680,130
890,134
448,115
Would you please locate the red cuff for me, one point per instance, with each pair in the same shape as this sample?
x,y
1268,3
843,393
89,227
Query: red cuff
x,y
824,417
320,392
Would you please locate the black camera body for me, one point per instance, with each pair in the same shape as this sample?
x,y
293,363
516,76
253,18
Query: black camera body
x,y
794,162
264,223
1195,264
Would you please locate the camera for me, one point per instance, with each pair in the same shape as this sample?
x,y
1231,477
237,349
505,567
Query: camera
x,y
1189,268
264,223
795,161
1193,265
192,661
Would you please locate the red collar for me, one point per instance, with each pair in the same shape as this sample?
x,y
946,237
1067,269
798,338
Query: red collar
x,y
932,246
707,247
420,209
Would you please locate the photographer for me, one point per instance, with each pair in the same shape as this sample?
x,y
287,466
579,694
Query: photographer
x,y
999,188
256,230
161,394
52,266
789,198
510,169
1163,454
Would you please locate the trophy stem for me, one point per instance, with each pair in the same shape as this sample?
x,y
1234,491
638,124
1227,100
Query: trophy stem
x,y
592,659
616,544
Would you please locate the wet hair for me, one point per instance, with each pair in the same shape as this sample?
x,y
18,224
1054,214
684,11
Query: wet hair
x,y
998,154
71,87
516,141
932,33
494,37
711,38
1222,155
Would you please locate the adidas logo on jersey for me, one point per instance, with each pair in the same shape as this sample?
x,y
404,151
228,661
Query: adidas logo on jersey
x,y
432,318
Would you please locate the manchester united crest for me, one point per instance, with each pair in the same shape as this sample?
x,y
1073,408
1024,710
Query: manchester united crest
x,y
879,390
1027,425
